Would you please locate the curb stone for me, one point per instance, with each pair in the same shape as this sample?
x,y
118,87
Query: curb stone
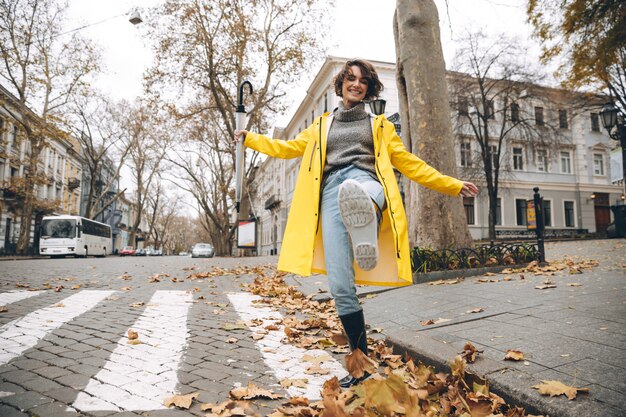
x,y
503,381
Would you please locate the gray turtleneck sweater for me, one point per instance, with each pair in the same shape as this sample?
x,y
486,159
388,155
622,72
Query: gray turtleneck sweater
x,y
350,140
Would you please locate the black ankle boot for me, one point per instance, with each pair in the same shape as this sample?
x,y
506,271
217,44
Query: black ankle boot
x,y
354,325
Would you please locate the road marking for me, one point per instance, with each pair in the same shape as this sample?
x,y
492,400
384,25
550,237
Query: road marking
x,y
15,296
21,334
140,377
284,359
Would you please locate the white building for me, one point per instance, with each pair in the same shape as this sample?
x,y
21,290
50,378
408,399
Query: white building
x,y
574,177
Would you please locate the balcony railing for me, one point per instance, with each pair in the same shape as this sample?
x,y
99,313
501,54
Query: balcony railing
x,y
272,202
73,183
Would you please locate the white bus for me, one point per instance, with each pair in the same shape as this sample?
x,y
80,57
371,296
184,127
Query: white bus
x,y
74,235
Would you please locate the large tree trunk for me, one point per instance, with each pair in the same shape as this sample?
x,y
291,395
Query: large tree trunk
x,y
26,218
435,220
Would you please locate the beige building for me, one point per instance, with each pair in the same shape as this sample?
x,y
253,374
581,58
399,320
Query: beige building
x,y
60,165
573,175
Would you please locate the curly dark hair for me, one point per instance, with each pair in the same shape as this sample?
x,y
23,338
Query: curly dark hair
x,y
374,86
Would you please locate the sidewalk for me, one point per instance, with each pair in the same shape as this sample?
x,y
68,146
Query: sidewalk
x,y
574,334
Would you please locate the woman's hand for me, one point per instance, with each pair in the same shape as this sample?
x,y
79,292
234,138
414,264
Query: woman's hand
x,y
238,133
468,190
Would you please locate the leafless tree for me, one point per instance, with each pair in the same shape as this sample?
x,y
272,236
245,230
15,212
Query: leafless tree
x,y
43,67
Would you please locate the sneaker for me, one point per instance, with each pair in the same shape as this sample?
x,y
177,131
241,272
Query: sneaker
x,y
359,216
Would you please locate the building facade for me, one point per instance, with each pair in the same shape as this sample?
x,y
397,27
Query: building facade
x,y
573,173
60,168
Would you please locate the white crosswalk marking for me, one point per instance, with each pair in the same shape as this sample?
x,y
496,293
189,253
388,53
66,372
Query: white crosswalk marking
x,y
284,360
140,377
15,296
19,335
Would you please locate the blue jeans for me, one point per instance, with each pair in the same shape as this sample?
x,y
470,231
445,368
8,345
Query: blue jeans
x,y
337,246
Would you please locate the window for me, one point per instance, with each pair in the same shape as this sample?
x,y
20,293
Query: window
x,y
547,212
563,119
468,204
568,208
566,164
595,122
466,154
518,159
463,106
489,109
539,116
312,115
520,212
542,160
598,164
493,153
499,212
325,102
514,112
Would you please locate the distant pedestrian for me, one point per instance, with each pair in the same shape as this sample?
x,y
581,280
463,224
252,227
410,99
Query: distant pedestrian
x,y
346,185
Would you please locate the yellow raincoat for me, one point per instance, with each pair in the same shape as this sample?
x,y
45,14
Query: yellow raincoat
x,y
302,251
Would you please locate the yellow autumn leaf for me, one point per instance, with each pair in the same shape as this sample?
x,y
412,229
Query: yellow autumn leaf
x,y
251,392
132,335
514,355
555,388
357,364
180,401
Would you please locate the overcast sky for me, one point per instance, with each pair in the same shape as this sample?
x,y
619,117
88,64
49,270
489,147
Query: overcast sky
x,y
126,54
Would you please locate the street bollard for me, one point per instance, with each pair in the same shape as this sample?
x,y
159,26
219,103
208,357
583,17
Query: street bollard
x,y
538,202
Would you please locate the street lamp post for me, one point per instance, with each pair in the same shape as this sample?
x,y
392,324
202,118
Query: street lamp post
x,y
612,119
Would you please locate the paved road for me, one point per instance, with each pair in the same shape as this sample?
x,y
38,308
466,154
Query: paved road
x,y
66,352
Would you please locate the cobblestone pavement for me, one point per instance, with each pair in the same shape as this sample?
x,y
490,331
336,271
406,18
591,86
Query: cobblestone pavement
x,y
66,353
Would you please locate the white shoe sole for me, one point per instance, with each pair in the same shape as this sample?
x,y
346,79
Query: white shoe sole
x,y
359,215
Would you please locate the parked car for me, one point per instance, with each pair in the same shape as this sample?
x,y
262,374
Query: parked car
x,y
140,252
202,250
127,251
157,252
183,253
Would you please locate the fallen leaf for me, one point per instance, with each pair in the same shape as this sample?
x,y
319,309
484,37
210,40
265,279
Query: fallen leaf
x,y
340,339
545,286
126,288
316,370
476,310
555,388
251,392
357,364
316,359
232,340
132,335
137,304
514,355
3,310
59,305
470,352
75,287
180,401
134,342
125,277
300,383
368,296
234,326
575,284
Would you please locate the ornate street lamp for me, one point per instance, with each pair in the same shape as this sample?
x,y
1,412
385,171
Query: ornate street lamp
x,y
378,106
612,119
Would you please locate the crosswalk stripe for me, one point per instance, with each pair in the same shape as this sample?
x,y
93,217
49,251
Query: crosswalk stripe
x,y
15,296
21,334
140,377
284,359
